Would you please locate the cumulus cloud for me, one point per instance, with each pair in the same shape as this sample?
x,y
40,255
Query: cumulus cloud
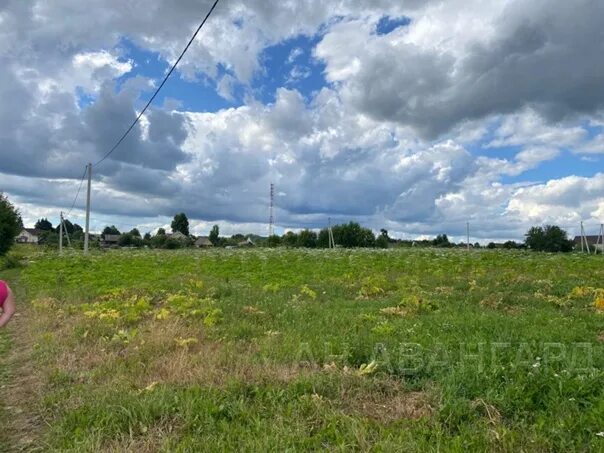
x,y
405,135
568,200
460,61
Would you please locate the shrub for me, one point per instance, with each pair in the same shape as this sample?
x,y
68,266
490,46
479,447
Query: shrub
x,y
10,225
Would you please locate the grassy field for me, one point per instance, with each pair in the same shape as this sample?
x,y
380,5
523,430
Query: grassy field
x,y
283,350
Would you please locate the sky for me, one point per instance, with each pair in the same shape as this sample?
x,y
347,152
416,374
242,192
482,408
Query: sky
x,y
413,116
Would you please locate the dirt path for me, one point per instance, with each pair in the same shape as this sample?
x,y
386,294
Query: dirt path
x,y
20,390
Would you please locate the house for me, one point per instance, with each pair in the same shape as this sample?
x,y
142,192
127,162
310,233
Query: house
x,y
110,240
178,236
247,243
594,242
203,242
29,236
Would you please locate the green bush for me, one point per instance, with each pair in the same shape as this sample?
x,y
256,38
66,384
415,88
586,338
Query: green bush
x,y
10,225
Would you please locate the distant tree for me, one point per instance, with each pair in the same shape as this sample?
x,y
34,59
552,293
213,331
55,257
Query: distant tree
x,y
110,230
147,237
172,243
159,241
180,223
135,232
491,245
441,241
44,225
551,238
161,232
323,238
68,226
77,228
290,239
307,238
510,245
382,241
215,235
353,235
273,241
130,240
476,245
10,224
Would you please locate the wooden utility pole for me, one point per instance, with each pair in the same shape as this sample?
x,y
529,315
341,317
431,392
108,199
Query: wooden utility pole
x,y
584,240
86,234
600,240
61,233
271,218
332,242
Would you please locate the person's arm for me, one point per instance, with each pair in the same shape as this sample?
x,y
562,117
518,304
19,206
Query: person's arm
x,y
8,309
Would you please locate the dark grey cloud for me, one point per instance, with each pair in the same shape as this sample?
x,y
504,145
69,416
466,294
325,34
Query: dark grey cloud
x,y
543,54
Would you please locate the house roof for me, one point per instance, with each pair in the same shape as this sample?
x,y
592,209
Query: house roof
x,y
111,237
591,240
203,240
33,231
248,241
176,235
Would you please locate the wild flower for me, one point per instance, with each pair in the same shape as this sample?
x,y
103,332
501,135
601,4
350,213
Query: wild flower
x,y
372,286
162,313
253,310
599,300
581,291
185,342
306,291
395,311
368,368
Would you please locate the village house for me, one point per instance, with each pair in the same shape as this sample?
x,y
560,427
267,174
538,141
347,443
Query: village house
x,y
110,240
29,236
178,235
203,242
594,242
247,243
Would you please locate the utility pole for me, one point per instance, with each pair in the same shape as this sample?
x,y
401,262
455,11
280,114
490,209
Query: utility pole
x,y
584,240
468,235
600,240
271,218
86,234
332,242
61,233
66,234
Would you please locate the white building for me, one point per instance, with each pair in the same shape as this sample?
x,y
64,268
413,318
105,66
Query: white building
x,y
29,236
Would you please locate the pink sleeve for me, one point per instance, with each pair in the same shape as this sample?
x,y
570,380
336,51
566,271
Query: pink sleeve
x,y
3,292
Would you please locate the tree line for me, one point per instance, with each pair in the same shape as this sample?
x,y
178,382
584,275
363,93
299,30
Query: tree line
x,y
550,238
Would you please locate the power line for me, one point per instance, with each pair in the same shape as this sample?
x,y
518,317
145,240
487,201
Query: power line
x,y
120,223
160,86
78,192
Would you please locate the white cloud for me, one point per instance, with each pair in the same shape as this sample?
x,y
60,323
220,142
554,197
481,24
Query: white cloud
x,y
565,201
90,69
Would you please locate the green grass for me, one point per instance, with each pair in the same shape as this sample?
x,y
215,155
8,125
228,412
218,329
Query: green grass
x,y
263,350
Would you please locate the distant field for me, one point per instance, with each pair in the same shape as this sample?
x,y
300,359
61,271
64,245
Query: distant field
x,y
274,350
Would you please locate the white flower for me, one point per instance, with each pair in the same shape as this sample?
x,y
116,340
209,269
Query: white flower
x,y
600,434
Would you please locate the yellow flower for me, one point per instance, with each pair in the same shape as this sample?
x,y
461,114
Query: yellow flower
x,y
581,291
164,313
185,342
599,302
367,369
